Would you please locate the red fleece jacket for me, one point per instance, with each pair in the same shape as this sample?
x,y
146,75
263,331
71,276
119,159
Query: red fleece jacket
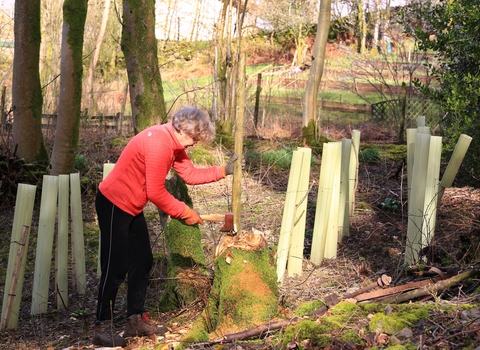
x,y
140,172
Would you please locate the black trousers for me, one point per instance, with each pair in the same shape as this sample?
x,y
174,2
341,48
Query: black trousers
x,y
124,248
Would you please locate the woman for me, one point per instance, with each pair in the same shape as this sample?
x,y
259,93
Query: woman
x,y
138,177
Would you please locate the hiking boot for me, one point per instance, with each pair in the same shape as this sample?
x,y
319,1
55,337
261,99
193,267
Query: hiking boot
x,y
140,325
104,335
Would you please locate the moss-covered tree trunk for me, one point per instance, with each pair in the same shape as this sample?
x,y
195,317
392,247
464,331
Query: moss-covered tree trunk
x,y
26,89
139,46
71,73
188,278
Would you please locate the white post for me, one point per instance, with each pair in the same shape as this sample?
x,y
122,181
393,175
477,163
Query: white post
x,y
22,217
43,257
344,205
431,187
295,256
288,214
331,243
78,251
322,212
416,213
454,164
62,241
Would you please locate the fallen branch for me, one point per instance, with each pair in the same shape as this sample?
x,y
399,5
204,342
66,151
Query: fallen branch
x,y
394,290
259,331
429,289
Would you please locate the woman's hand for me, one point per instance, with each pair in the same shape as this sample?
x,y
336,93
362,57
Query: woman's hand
x,y
191,217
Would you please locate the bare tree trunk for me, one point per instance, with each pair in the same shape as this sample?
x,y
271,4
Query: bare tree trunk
x,y
51,22
71,67
384,20
318,61
376,30
94,59
220,65
362,26
198,6
26,91
229,68
170,17
139,46
239,120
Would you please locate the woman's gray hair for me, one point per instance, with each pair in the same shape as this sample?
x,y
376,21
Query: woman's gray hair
x,y
194,123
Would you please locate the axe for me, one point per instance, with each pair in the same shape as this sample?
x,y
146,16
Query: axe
x,y
227,220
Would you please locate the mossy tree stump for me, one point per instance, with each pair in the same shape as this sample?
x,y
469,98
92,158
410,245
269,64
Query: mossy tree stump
x,y
244,292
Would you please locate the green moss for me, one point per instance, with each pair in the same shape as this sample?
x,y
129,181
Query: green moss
x,y
186,258
393,322
225,140
350,336
245,291
185,252
344,308
119,142
318,334
372,307
363,206
310,139
395,152
196,334
200,155
308,307
369,155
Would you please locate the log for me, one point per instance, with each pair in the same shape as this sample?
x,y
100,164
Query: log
x,y
395,290
428,289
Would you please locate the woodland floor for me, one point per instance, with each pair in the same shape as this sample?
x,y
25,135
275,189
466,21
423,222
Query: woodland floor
x,y
375,246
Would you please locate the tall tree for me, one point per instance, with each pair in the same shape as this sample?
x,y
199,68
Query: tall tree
x,y
26,91
71,68
318,61
362,26
51,22
220,69
96,53
139,46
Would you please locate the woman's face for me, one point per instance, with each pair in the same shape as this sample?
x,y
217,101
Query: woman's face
x,y
185,140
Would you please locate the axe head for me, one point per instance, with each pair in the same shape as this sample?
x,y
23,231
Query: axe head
x,y
228,225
